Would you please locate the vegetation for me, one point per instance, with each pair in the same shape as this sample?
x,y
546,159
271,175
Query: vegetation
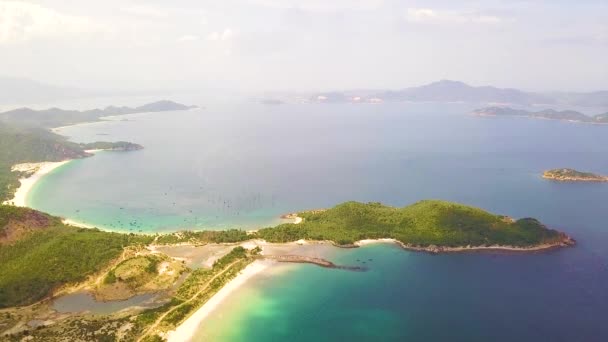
x,y
224,236
422,224
115,146
142,273
51,255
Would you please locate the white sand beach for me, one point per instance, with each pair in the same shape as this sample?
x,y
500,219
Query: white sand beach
x,y
76,224
36,171
187,330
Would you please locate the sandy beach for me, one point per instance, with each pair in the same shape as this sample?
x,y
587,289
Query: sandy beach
x,y
36,171
565,242
76,224
187,330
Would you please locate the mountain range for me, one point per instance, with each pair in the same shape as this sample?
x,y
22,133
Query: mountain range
x,y
455,91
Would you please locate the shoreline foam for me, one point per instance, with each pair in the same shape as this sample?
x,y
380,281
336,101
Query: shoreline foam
x,y
27,183
188,329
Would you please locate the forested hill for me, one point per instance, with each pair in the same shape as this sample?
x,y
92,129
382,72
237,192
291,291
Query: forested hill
x,y
56,117
38,253
422,224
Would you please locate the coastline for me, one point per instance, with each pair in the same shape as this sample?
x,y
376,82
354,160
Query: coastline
x,y
566,241
37,171
598,179
70,222
187,329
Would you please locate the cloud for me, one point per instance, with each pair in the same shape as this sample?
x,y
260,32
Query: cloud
x,y
227,34
321,5
188,38
427,15
145,11
22,21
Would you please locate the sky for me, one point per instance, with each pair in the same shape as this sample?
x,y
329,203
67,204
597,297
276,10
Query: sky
x,y
311,45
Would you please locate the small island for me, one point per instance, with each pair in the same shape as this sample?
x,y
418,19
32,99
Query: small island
x,y
549,114
571,175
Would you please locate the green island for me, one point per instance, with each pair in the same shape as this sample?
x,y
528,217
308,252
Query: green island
x,y
571,175
550,114
41,258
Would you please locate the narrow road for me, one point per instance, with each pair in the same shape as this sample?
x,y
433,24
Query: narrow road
x,y
186,302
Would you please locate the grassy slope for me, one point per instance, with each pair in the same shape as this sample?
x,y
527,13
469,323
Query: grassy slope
x,y
52,256
424,223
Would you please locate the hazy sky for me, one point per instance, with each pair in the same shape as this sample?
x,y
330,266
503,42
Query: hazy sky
x,y
306,45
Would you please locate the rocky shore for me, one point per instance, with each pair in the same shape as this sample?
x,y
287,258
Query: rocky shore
x,y
570,175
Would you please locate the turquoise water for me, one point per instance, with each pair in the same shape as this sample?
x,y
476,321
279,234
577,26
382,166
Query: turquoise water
x,y
408,296
242,165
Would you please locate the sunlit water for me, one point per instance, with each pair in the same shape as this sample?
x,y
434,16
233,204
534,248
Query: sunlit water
x,y
243,165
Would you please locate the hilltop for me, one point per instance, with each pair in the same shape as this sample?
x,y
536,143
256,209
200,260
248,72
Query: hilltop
x,y
432,225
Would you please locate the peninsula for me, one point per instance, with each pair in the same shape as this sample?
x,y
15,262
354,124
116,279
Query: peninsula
x,y
56,117
550,114
28,150
116,266
570,175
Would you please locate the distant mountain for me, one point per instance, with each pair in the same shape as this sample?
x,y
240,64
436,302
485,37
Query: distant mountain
x,y
20,90
55,117
454,91
551,114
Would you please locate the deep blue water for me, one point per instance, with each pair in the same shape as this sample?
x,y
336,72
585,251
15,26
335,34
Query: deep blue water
x,y
268,160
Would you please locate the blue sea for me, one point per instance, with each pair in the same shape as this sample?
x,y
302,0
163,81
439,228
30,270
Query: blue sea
x,y
243,164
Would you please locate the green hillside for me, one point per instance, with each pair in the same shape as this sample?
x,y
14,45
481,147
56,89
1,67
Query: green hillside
x,y
424,223
38,253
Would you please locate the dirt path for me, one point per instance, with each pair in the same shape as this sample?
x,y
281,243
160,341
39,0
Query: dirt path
x,y
151,328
